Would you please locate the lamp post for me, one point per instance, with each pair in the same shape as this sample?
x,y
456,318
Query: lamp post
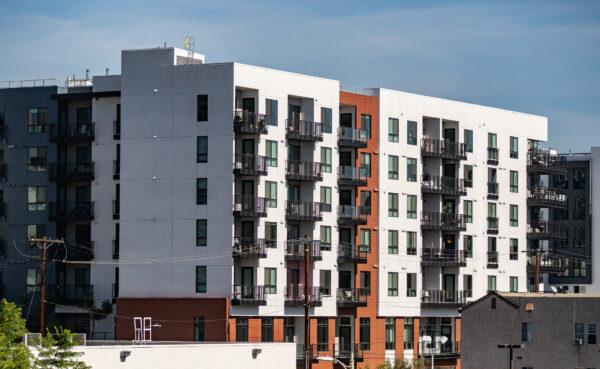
x,y
432,344
333,360
510,350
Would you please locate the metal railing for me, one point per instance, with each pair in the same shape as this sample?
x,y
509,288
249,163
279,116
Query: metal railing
x,y
249,206
249,164
71,210
294,250
547,196
344,350
443,297
352,253
445,185
492,189
303,210
545,161
450,348
352,136
249,247
71,293
303,170
73,132
353,175
442,148
352,296
541,229
248,294
80,250
71,171
294,295
443,221
437,256
304,130
249,122
353,213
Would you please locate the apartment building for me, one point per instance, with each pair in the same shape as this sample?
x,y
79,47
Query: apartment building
x,y
226,197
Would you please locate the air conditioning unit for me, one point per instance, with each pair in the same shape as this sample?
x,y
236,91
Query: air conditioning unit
x,y
579,342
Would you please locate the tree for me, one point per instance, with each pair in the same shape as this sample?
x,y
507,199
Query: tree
x,y
13,353
56,351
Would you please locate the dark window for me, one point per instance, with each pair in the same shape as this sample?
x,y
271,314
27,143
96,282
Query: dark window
x,y
365,282
270,234
411,284
288,329
272,112
591,338
579,179
493,302
201,232
390,334
36,159
526,332
241,329
201,279
202,149
579,335
411,132
37,119
365,334
409,332
199,328
514,147
365,124
266,331
514,249
468,175
468,140
468,246
325,282
202,107
322,334
326,120
201,191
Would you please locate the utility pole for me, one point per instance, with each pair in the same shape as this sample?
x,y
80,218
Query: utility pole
x,y
538,261
307,350
510,351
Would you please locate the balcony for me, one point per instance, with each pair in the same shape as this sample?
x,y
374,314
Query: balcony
x,y
116,169
116,129
443,221
350,253
352,176
443,149
2,172
450,349
443,298
546,162
352,297
350,214
295,295
443,185
71,211
303,171
71,294
116,209
549,197
492,260
294,250
249,123
79,251
304,130
115,249
492,192
493,155
492,225
249,247
543,230
303,210
249,206
343,352
551,264
351,137
443,257
71,172
250,165
67,133
248,295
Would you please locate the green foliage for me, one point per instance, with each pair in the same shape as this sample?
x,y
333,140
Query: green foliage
x,y
402,364
103,311
13,353
56,351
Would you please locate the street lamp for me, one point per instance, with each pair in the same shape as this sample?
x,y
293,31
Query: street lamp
x,y
510,350
333,360
432,344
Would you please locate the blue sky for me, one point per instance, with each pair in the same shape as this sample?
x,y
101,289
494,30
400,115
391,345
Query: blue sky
x,y
540,57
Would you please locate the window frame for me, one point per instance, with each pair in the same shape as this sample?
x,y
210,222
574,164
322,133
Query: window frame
x,y
411,169
411,132
201,191
201,273
200,225
393,241
393,167
392,284
271,153
270,281
202,108
411,206
393,205
202,142
393,130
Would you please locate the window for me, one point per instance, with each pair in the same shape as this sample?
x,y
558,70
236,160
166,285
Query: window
x,y
199,328
468,285
409,333
325,199
365,239
266,329
514,249
365,201
33,280
271,234
392,167
365,124
491,283
591,337
390,334
288,330
393,205
393,130
514,147
411,206
36,198
579,237
580,211
411,169
326,118
325,282
468,210
35,231
271,193
392,242
579,268
202,108
411,243
272,112
579,335
491,210
201,232
201,191
492,141
392,284
325,237
579,179
468,140
270,280
365,333
411,132
37,119
514,215
365,160
322,334
468,175
365,282
514,284
36,159
202,149
271,153
468,246
514,181
526,332
411,284
201,279
326,159
241,329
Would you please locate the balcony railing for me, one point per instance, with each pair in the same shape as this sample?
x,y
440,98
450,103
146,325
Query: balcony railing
x,y
249,247
247,122
294,250
443,257
295,295
351,137
71,172
547,197
71,294
352,297
493,155
249,206
71,211
352,253
443,185
343,351
303,171
443,149
116,209
78,251
303,210
116,169
433,298
439,349
552,264
352,176
248,295
492,260
250,165
351,214
2,172
546,162
543,230
443,221
116,129
492,227
83,132
304,130
492,192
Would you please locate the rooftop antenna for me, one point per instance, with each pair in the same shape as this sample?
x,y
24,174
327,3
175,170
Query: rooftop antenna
x,y
188,44
87,74
165,45
107,71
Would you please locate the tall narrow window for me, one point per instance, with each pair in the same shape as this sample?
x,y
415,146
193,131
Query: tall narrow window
x,y
514,215
37,119
468,246
411,206
514,249
325,234
266,329
365,161
393,205
365,239
392,284
468,175
271,234
325,199
365,282
201,191
241,329
591,337
326,159
409,333
526,332
270,280
322,334
271,153
411,243
289,329
33,280
491,283
326,120
271,193
392,242
202,149
514,181
392,167
201,232
468,210
514,284
202,108
514,147
199,328
390,334
36,198
411,169
272,112
411,284
201,279
325,282
365,124
411,132
36,159
468,140
468,285
393,133
365,333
